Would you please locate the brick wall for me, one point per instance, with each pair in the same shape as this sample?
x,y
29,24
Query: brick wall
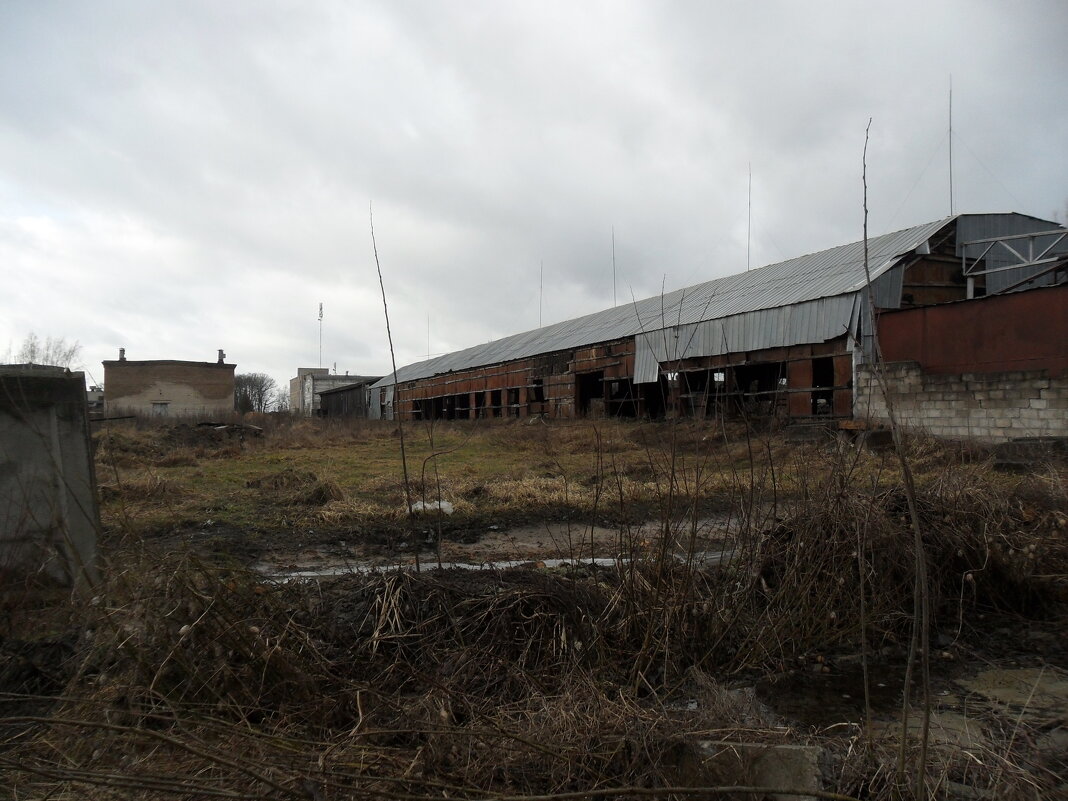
x,y
994,407
187,388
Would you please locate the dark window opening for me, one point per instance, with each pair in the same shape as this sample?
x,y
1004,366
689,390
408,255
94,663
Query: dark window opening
x,y
761,387
495,402
822,384
589,393
622,401
654,397
462,406
537,390
700,392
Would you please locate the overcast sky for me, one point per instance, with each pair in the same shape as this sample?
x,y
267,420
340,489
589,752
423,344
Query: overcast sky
x,y
177,177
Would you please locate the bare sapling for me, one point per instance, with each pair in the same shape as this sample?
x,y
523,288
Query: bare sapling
x,y
920,630
398,417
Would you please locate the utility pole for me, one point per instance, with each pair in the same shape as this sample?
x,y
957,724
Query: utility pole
x,y
320,334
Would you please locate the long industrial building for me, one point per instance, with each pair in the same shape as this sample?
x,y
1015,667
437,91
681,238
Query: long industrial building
x,y
787,339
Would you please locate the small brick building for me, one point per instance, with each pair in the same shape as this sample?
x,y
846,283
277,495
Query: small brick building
x,y
167,388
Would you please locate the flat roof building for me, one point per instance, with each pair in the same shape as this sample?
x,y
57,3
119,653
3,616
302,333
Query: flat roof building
x,y
168,388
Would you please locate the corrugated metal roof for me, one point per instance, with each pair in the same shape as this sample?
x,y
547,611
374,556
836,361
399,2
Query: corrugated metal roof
x,y
826,274
809,321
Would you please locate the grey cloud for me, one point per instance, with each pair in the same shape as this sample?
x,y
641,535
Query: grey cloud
x,y
199,174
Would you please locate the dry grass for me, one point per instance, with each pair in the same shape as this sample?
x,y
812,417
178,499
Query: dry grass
x,y
181,678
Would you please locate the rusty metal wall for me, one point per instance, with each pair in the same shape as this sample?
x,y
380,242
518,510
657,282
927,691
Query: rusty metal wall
x,y
1018,331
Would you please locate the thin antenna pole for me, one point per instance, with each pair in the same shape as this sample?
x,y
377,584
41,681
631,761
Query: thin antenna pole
x,y
951,144
320,334
749,223
541,288
613,265
428,336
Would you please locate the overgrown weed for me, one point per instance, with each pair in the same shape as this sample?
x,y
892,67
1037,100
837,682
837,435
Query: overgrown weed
x,y
531,681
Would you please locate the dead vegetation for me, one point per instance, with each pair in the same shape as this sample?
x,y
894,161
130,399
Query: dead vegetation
x,y
290,486
184,678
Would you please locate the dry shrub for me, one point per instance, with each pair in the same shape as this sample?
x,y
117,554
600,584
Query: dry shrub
x,y
183,457
350,511
291,487
185,633
126,446
289,432
195,680
483,633
147,488
800,581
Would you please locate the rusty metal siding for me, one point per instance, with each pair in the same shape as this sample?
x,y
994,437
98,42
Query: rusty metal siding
x,y
1016,331
804,323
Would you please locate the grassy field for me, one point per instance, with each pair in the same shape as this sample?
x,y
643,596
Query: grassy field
x,y
184,674
344,480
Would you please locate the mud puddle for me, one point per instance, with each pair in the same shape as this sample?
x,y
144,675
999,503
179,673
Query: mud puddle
x,y
549,545
966,701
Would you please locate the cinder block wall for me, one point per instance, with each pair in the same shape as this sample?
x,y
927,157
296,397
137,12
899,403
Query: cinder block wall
x,y
994,407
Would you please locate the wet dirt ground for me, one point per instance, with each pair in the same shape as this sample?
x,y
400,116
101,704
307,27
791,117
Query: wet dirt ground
x,y
1001,676
536,545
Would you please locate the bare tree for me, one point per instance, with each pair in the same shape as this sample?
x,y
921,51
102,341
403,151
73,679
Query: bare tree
x,y
281,400
254,392
53,351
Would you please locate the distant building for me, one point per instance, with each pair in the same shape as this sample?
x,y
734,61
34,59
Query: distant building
x,y
973,305
166,388
305,388
94,399
352,400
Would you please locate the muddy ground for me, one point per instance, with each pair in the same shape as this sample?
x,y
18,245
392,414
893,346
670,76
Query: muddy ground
x,y
627,593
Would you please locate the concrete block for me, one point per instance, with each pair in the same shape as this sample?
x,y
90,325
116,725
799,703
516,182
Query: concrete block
x,y
48,508
1038,403
787,768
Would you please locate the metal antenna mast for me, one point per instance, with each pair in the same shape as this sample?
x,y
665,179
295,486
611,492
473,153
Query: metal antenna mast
x,y
541,287
951,144
320,334
613,265
749,222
